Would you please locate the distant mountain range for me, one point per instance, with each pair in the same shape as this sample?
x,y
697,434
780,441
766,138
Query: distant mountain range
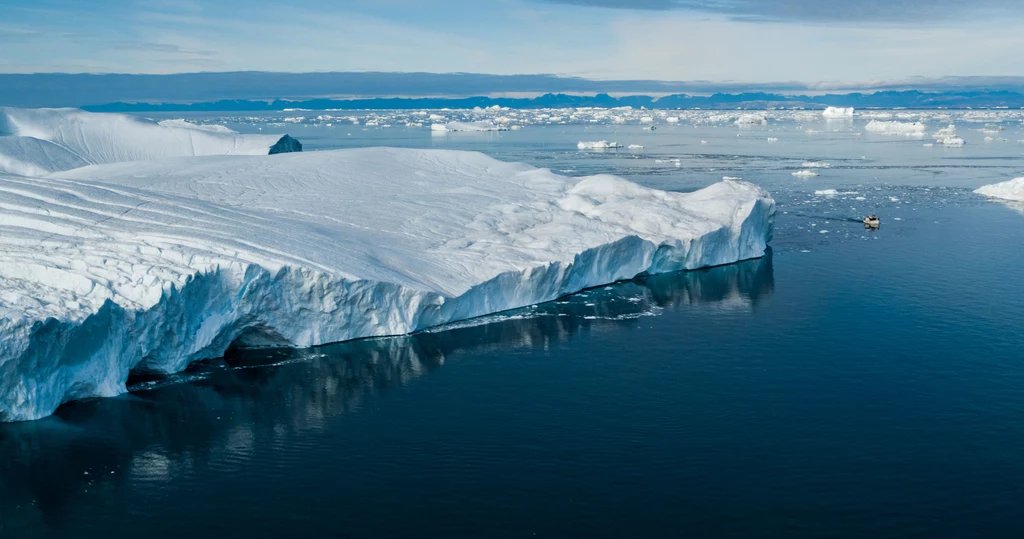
x,y
255,91
753,100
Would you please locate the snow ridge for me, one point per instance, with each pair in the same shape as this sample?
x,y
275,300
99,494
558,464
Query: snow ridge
x,y
35,142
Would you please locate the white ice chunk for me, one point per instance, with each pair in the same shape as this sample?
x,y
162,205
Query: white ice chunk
x,y
1008,190
838,113
752,119
910,129
598,145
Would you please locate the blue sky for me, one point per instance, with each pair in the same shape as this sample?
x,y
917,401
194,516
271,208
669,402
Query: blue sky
x,y
734,40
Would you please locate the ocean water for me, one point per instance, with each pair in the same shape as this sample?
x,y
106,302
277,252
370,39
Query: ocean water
x,y
852,383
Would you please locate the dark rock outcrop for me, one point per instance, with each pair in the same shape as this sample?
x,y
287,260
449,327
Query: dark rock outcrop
x,y
286,144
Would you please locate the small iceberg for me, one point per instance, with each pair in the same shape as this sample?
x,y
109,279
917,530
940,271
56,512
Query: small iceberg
x,y
838,113
466,127
752,119
805,173
908,129
598,145
1012,190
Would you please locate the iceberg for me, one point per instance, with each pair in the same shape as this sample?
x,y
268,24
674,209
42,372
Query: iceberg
x,y
149,266
1012,190
834,113
599,145
805,174
909,129
35,142
752,119
453,127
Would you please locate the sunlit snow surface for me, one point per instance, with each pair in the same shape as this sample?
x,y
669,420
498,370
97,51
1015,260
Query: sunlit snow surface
x,y
151,265
34,142
893,177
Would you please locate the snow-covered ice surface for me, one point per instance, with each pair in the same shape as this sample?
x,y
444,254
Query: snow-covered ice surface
x,y
909,129
835,113
597,145
1012,190
34,142
152,265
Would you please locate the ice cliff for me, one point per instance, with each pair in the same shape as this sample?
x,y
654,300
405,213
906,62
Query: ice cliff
x,y
35,142
1012,190
121,251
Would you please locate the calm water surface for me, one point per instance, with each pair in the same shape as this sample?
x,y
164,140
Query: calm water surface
x,y
850,384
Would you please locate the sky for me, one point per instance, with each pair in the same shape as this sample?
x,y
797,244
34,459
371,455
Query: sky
x,y
716,40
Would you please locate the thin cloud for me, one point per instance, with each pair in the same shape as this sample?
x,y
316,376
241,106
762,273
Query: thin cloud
x,y
160,47
829,11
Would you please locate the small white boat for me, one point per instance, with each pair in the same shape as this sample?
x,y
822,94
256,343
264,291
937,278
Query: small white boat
x,y
872,221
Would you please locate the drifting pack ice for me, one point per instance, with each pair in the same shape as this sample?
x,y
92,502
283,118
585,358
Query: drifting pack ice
x,y
151,265
35,142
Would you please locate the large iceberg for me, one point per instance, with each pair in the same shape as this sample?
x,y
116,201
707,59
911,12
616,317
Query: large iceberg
x,y
35,142
148,266
1012,190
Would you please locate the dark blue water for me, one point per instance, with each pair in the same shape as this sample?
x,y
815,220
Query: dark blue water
x,y
851,384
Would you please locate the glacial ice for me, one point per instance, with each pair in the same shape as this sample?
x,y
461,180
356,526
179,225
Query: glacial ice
x,y
148,266
752,119
35,142
1012,190
452,127
834,113
909,129
598,145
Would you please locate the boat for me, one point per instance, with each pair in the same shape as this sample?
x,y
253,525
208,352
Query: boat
x,y
872,221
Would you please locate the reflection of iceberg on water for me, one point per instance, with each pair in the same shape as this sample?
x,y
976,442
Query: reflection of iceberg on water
x,y
223,409
1010,193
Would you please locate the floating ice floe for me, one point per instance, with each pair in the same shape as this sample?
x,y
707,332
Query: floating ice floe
x,y
944,133
953,142
805,173
636,146
751,119
1008,190
909,129
454,127
816,164
34,142
835,113
149,266
598,145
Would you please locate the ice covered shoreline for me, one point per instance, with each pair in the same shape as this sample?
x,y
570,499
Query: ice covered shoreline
x,y
152,265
